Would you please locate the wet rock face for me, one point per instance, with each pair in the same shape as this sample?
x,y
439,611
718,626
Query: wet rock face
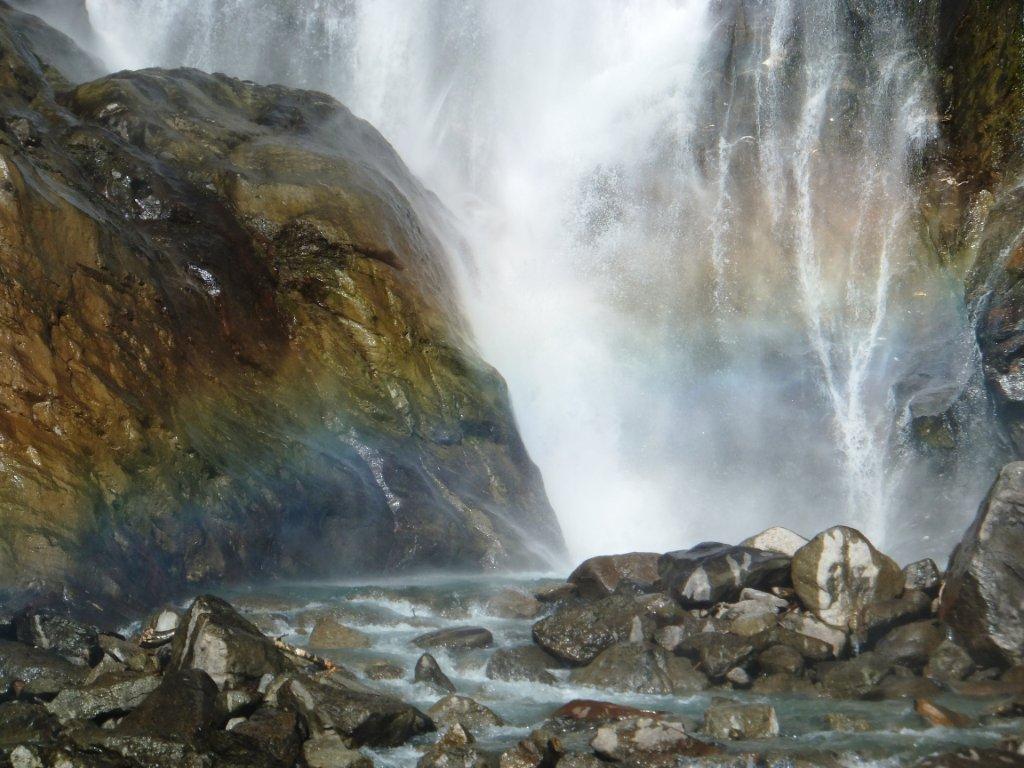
x,y
712,573
839,572
230,347
983,599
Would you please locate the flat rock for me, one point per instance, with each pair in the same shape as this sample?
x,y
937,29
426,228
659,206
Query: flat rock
x,y
983,598
776,539
591,710
383,670
839,572
809,635
112,695
75,641
456,638
646,738
600,576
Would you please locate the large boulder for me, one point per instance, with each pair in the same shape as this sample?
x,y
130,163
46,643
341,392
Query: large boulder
x,y
185,707
358,713
331,634
839,572
599,576
713,573
912,645
640,668
577,633
231,343
271,731
983,598
215,638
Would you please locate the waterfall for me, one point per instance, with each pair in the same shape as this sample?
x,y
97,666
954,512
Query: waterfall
x,y
690,241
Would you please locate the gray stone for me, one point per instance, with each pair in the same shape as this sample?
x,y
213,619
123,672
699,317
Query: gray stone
x,y
782,659
878,619
839,572
640,668
646,738
215,638
429,671
855,678
456,638
113,695
912,644
949,663
924,576
524,662
330,751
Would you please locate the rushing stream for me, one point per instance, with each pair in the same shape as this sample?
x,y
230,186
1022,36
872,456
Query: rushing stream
x,y
393,613
690,241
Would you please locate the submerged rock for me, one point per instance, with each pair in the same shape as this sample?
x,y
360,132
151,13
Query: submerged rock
x,y
524,662
646,738
983,599
456,638
429,671
729,719
712,572
464,712
331,634
839,572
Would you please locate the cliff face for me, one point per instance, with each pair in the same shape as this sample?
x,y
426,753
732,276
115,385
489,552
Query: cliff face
x,y
229,344
974,203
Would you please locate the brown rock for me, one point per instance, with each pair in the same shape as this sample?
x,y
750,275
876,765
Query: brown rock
x,y
331,634
941,716
599,576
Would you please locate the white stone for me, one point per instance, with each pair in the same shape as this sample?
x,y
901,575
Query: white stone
x,y
776,539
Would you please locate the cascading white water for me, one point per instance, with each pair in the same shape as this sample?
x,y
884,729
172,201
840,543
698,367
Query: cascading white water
x,y
691,245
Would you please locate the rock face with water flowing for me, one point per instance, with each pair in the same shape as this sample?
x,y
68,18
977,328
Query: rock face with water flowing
x,y
230,344
983,599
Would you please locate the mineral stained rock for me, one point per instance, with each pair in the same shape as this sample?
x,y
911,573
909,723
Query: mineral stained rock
x,y
230,343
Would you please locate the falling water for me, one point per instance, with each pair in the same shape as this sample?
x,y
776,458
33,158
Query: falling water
x,y
690,239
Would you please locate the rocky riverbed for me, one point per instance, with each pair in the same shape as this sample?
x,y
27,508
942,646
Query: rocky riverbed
x,y
777,651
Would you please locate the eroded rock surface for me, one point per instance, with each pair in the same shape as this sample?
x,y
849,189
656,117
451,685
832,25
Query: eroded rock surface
x,y
230,344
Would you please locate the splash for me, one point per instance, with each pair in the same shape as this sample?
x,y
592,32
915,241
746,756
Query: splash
x,y
690,240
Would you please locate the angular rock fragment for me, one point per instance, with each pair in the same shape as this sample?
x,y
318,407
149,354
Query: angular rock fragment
x,y
429,671
463,712
728,719
110,695
524,662
646,738
776,539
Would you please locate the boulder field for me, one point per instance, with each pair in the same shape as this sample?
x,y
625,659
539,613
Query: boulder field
x,y
753,630
230,344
